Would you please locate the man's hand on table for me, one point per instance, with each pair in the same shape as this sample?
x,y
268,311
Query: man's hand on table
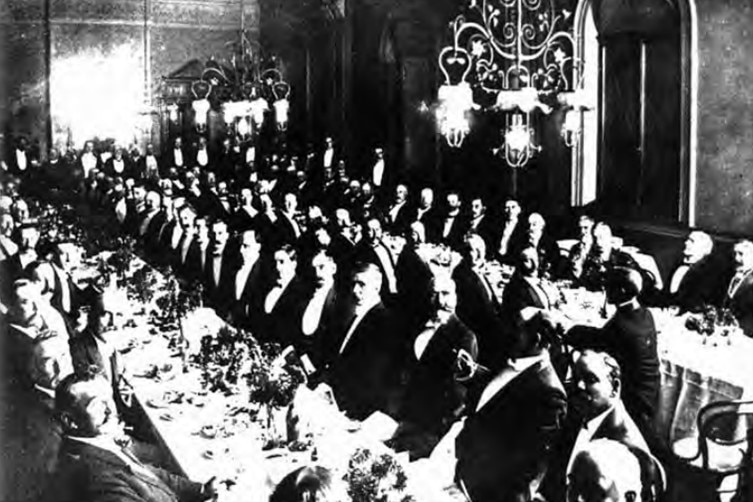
x,y
214,490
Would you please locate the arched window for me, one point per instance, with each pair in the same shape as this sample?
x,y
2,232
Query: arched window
x,y
635,157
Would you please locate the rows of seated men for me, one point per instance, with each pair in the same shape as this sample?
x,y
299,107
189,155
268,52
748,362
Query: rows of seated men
x,y
427,348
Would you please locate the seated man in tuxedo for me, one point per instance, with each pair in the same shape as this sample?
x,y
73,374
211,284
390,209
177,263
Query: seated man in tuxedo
x,y
695,280
573,267
450,227
247,280
510,233
604,256
739,297
480,222
399,213
373,250
606,471
630,337
477,304
94,466
274,316
362,367
546,248
31,431
524,289
320,315
438,361
414,281
504,445
595,412
217,277
198,252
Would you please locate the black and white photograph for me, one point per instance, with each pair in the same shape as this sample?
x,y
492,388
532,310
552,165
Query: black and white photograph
x,y
376,251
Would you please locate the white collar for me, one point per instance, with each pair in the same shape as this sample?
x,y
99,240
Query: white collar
x,y
593,425
521,364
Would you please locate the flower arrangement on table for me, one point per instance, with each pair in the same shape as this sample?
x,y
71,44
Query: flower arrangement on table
x,y
711,320
439,255
373,477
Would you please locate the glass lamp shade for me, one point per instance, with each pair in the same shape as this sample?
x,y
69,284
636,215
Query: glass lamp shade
x,y
455,103
257,108
281,107
201,109
172,112
243,127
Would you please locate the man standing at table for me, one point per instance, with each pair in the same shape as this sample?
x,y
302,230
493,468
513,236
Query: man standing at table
x,y
96,468
630,337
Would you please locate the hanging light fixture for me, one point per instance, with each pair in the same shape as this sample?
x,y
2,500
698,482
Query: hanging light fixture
x,y
242,85
508,56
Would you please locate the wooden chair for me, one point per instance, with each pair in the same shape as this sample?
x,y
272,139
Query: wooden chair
x,y
722,445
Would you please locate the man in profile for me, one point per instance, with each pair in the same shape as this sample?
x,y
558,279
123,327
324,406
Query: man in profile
x,y
694,282
94,466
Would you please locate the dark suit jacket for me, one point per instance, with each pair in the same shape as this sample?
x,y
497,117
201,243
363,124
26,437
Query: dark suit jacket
x,y
363,377
486,228
629,337
92,474
506,444
405,216
251,295
414,288
701,285
31,443
518,295
481,313
127,172
513,244
219,294
363,252
280,324
433,398
454,238
322,345
741,304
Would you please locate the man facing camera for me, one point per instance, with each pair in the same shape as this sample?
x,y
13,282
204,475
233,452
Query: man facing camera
x,y
440,356
361,371
94,466
504,445
596,412
694,282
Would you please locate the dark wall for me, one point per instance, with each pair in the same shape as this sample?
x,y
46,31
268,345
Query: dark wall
x,y
163,35
725,116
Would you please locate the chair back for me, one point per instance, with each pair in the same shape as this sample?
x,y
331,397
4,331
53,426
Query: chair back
x,y
723,429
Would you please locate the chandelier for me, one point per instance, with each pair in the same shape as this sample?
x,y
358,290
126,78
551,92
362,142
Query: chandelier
x,y
246,86
513,57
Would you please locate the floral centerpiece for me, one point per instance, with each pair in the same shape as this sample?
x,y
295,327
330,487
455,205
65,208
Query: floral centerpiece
x,y
375,477
710,320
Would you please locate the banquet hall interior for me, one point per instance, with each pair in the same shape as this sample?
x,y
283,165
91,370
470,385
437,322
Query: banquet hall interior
x,y
376,250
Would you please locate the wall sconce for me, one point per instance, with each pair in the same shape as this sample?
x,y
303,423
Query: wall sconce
x,y
281,107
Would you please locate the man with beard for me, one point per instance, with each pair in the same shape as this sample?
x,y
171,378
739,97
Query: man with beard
x,y
95,466
739,297
438,360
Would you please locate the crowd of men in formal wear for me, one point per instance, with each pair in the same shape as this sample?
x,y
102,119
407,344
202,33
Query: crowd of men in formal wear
x,y
297,253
